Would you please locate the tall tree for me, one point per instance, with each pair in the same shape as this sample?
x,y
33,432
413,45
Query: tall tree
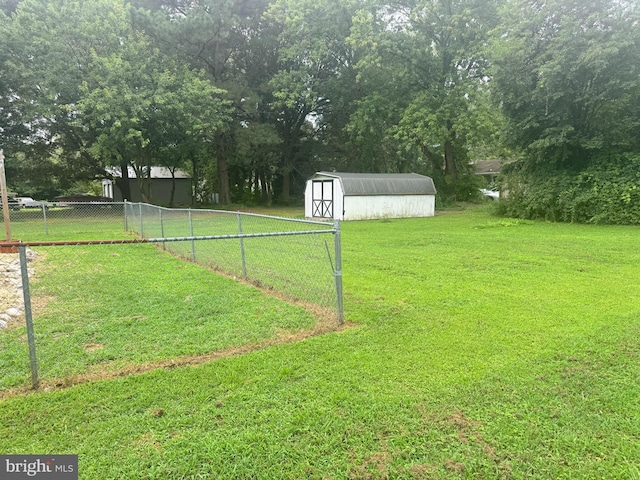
x,y
148,108
315,88
82,90
216,36
48,54
451,35
566,76
422,87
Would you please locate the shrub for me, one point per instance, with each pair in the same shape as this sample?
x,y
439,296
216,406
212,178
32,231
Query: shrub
x,y
605,192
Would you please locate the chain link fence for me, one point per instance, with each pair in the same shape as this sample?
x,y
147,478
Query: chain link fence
x,y
66,221
84,251
297,258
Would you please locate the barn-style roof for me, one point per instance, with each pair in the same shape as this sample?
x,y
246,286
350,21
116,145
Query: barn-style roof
x,y
357,184
153,172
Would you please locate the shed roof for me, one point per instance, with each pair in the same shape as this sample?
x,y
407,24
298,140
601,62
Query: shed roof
x,y
381,183
488,167
153,172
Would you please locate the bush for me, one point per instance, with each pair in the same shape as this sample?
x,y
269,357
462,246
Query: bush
x,y
606,192
465,189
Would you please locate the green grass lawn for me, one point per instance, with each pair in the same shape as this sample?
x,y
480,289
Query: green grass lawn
x,y
103,308
484,348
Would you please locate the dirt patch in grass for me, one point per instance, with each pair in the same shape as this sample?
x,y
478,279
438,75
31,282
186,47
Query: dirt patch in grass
x,y
105,373
468,432
92,347
375,465
454,466
421,471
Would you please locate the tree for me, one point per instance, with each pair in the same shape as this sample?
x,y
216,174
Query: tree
x,y
47,54
222,38
315,90
565,74
148,108
83,89
450,35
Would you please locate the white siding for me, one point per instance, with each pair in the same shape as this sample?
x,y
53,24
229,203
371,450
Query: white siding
x,y
363,207
388,206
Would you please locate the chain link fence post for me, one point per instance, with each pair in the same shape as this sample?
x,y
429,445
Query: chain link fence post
x,y
4,199
126,219
44,216
24,270
141,220
244,260
338,271
193,243
161,227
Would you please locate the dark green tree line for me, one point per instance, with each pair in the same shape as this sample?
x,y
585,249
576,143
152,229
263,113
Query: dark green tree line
x,y
253,96
566,75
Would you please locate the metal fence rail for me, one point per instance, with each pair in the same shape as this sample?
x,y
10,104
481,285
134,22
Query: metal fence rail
x,y
294,259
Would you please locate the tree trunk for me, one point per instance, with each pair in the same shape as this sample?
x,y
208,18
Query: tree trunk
x,y
266,190
173,186
223,170
196,193
143,180
450,160
123,183
286,184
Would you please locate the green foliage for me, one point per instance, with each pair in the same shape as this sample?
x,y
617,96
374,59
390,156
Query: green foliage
x,y
423,95
253,96
149,107
565,75
605,192
85,90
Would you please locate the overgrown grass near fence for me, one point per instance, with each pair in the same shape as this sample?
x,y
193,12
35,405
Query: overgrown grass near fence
x,y
487,348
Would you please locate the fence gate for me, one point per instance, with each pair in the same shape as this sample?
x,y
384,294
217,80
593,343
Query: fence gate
x,y
322,198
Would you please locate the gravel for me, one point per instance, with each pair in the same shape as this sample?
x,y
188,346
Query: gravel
x,y
11,299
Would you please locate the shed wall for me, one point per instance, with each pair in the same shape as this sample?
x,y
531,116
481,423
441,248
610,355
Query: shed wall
x,y
388,206
363,207
160,190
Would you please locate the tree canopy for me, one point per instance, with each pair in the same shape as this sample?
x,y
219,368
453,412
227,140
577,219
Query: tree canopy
x,y
565,73
253,96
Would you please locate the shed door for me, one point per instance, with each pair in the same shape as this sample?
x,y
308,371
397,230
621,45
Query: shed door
x,y
322,198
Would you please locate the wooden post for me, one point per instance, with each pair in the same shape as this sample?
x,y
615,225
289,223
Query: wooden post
x,y
5,201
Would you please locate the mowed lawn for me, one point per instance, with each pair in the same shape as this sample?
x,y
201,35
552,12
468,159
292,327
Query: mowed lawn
x,y
481,347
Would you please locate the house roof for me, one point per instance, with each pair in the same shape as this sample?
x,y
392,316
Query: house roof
x,y
488,167
381,183
156,172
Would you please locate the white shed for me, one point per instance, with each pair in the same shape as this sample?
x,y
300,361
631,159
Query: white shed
x,y
361,196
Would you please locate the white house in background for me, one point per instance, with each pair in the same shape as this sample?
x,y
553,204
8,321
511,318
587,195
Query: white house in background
x,y
157,186
362,196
